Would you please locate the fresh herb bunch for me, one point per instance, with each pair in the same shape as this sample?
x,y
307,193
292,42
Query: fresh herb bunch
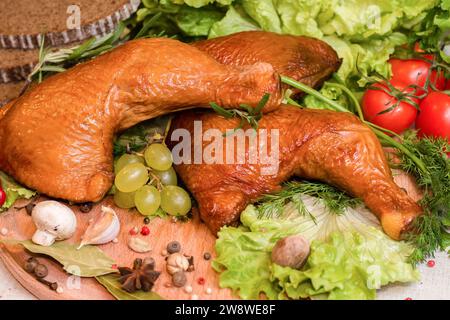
x,y
248,115
334,199
427,160
431,230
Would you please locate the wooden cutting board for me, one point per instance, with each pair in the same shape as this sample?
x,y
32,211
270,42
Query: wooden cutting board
x,y
194,237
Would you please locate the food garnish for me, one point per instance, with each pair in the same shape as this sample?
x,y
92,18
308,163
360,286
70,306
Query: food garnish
x,y
177,262
89,261
291,251
350,256
139,245
10,191
54,221
103,229
141,277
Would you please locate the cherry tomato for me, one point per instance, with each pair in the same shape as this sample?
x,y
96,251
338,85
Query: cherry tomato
x,y
398,119
447,85
434,116
2,197
415,72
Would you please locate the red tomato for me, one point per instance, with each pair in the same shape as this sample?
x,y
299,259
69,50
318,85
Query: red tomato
x,y
434,116
415,72
398,119
2,197
447,85
418,49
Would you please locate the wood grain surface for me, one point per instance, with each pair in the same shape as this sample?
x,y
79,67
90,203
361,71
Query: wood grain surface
x,y
194,237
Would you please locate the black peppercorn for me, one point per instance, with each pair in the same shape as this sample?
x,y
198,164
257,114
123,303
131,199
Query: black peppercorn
x,y
31,264
207,256
146,220
173,247
179,279
86,207
40,271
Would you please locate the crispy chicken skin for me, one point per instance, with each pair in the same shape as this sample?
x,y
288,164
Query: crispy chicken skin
x,y
314,144
304,59
57,138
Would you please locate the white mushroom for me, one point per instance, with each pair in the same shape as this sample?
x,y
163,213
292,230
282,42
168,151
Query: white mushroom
x,y
54,221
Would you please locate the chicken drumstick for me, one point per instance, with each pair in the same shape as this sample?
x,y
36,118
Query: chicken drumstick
x,y
321,145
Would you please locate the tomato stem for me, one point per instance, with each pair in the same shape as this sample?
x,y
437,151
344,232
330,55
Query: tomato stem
x,y
337,107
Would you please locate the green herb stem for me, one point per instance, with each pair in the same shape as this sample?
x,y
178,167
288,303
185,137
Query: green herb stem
x,y
295,84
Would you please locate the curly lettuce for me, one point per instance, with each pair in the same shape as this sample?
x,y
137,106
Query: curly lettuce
x,y
350,256
13,191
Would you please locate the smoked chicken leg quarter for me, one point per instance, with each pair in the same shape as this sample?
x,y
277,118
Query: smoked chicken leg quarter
x,y
58,137
328,146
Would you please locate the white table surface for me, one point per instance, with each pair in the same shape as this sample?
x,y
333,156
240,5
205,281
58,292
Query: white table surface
x,y
435,284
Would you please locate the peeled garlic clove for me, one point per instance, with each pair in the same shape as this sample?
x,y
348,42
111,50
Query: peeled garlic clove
x,y
103,229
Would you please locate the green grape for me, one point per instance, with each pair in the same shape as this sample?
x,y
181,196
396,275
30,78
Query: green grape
x,y
167,177
131,177
158,157
147,200
125,160
124,200
175,201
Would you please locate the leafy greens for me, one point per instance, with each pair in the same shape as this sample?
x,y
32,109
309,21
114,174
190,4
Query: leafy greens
x,y
350,256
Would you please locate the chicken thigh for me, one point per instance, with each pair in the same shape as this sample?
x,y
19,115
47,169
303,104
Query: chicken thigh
x,y
57,138
304,59
332,147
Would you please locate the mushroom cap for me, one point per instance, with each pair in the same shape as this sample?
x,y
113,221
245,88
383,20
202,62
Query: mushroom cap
x,y
55,218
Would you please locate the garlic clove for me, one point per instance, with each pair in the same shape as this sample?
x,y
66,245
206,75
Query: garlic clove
x,y
105,228
177,262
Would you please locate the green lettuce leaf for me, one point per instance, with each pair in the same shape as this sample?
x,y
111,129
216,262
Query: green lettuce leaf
x,y
264,13
13,191
350,256
197,22
234,21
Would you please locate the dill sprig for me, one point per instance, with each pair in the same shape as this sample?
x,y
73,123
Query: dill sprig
x,y
427,161
334,199
246,113
430,230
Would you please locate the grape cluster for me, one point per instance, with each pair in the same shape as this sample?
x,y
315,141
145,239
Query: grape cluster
x,y
149,182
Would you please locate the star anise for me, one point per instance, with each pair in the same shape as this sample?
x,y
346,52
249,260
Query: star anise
x,y
141,277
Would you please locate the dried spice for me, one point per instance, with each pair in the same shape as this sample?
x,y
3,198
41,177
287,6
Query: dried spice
x,y
40,271
86,207
179,279
207,256
140,277
31,264
173,247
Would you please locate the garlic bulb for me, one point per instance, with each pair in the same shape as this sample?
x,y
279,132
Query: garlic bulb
x,y
54,221
103,229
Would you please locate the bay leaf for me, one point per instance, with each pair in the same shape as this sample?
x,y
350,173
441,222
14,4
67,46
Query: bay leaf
x,y
89,261
111,283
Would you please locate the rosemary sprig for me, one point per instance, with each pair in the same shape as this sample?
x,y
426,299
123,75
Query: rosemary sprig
x,y
334,199
248,115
